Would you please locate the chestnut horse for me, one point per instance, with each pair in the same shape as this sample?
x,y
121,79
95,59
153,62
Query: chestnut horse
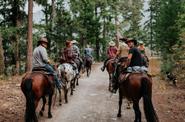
x,y
37,85
110,67
134,86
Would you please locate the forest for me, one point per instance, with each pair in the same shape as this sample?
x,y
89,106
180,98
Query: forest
x,y
94,22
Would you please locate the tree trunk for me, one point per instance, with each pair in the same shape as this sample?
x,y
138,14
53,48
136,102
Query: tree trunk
x,y
2,65
117,30
97,38
29,38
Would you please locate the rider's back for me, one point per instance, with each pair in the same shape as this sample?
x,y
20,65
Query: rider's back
x,y
39,56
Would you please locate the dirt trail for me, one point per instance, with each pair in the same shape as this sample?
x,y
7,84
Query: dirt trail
x,y
91,102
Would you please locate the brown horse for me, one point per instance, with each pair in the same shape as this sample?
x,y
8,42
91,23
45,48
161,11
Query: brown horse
x,y
37,85
87,64
110,67
134,86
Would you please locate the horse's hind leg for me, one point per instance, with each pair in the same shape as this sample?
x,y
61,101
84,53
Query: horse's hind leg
x,y
120,103
137,111
43,106
49,107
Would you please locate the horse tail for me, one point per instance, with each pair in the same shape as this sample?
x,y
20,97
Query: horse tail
x,y
150,113
30,106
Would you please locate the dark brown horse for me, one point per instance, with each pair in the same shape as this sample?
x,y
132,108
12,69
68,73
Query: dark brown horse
x,y
110,67
87,64
37,85
135,86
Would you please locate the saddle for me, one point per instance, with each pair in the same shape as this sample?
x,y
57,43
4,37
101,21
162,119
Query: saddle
x,y
41,70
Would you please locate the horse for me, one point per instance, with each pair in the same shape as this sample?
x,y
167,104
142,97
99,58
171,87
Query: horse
x,y
68,77
134,86
110,67
87,64
37,85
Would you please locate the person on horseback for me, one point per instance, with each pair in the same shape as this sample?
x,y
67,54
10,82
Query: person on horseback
x,y
40,59
111,53
88,52
134,61
77,58
122,50
70,55
141,47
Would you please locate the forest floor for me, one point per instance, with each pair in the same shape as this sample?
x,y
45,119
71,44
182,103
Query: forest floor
x,y
169,101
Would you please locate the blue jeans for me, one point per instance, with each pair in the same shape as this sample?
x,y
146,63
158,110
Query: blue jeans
x,y
50,69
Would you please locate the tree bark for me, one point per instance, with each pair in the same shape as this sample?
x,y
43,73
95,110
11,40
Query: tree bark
x,y
2,65
29,38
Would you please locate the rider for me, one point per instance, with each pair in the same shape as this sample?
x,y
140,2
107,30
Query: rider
x,y
69,55
134,61
123,49
40,59
111,53
76,50
141,47
88,52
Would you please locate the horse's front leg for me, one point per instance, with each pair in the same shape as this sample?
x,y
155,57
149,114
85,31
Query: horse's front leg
x,y
120,103
137,111
49,106
43,106
65,94
77,82
72,86
109,82
60,97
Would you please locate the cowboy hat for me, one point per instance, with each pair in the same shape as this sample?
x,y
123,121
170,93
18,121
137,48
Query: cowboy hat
x,y
74,42
111,43
123,39
131,40
43,39
141,42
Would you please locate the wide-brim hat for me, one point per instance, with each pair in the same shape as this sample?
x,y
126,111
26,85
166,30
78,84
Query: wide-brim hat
x,y
131,40
141,42
74,42
123,39
43,39
111,43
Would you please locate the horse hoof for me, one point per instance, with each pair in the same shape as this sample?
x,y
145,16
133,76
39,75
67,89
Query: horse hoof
x,y
41,113
60,104
119,115
49,116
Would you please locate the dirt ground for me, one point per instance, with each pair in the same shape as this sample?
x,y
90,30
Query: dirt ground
x,y
169,101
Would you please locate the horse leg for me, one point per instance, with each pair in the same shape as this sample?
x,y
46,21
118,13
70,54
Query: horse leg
x,y
77,82
34,115
109,82
49,106
137,111
60,97
72,86
43,106
65,95
120,103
